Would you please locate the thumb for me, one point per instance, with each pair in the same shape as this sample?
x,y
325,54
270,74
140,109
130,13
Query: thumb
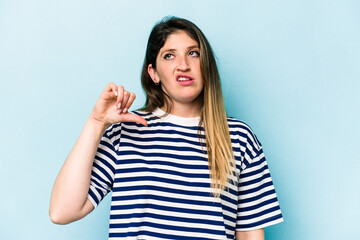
x,y
130,117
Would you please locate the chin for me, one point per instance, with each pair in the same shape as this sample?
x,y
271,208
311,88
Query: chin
x,y
189,100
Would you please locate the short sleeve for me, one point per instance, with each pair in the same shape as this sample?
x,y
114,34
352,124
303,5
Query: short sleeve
x,y
258,205
103,170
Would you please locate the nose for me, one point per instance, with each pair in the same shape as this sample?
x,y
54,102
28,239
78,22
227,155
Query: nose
x,y
183,64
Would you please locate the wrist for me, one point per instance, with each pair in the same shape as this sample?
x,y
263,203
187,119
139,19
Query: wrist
x,y
97,123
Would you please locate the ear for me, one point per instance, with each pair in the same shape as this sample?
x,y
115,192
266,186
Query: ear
x,y
153,74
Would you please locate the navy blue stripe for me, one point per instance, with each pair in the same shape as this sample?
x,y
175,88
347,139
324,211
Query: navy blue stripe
x,y
103,170
238,144
93,196
259,214
254,164
163,189
246,127
256,180
169,200
230,200
166,171
169,218
155,234
97,184
250,153
114,133
233,122
165,208
113,130
257,206
163,155
246,163
251,199
231,210
250,173
161,180
99,179
252,190
161,139
159,162
161,131
229,236
142,113
263,221
238,133
167,226
104,152
164,147
228,217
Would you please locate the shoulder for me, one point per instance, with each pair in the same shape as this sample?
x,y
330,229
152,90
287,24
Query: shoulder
x,y
133,127
112,132
146,115
238,124
242,131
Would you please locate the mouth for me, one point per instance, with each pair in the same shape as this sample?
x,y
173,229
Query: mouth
x,y
183,78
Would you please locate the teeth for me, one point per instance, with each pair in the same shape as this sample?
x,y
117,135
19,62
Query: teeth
x,y
183,79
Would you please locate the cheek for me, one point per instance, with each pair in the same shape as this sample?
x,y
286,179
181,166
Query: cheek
x,y
164,73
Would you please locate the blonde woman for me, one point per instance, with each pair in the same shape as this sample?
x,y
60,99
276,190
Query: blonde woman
x,y
179,168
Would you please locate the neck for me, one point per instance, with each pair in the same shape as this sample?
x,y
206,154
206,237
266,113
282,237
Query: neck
x,y
184,110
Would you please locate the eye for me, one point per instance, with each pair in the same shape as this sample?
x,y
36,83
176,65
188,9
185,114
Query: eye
x,y
168,56
194,53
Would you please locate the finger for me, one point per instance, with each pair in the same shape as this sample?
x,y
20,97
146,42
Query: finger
x,y
111,87
125,101
119,99
129,102
130,117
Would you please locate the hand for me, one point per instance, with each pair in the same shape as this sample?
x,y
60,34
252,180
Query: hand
x,y
112,106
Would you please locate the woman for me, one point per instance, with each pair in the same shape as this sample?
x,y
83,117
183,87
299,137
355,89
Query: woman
x,y
179,168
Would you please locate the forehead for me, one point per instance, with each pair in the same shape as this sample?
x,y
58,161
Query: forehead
x,y
179,39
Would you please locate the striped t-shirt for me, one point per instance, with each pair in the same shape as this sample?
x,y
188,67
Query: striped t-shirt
x,y
160,182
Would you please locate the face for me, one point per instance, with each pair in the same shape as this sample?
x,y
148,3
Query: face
x,y
178,69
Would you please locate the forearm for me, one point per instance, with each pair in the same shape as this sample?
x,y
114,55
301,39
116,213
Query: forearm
x,y
257,234
69,195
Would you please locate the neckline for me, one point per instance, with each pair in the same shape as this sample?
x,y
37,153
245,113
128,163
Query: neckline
x,y
176,119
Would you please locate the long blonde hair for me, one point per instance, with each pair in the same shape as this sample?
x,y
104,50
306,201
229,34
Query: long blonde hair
x,y
213,115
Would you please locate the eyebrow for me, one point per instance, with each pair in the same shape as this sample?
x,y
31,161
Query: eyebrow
x,y
173,49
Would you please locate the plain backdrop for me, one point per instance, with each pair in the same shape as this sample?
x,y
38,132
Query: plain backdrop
x,y
290,69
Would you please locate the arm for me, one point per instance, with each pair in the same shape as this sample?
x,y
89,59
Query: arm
x,y
69,196
257,234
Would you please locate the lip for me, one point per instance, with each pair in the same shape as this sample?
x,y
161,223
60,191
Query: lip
x,y
184,83
185,76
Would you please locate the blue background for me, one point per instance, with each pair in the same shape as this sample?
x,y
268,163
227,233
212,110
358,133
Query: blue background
x,y
290,69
